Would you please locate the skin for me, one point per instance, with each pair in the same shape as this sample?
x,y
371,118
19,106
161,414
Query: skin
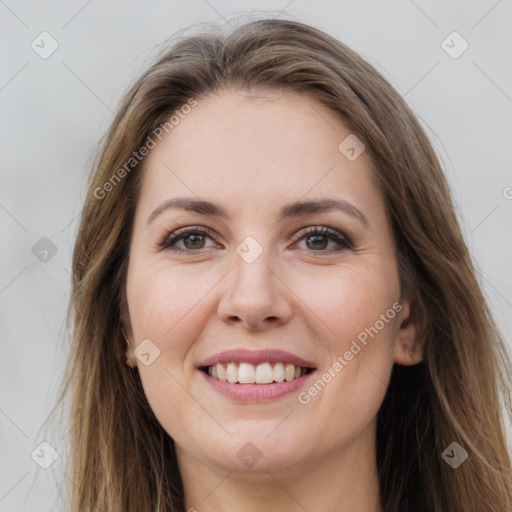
x,y
252,155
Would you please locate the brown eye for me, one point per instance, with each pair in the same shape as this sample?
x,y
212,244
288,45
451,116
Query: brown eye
x,y
193,240
318,237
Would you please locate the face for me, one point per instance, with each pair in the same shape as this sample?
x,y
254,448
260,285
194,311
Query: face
x,y
247,294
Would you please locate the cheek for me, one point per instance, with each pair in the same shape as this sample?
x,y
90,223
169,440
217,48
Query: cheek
x,y
356,318
167,305
346,299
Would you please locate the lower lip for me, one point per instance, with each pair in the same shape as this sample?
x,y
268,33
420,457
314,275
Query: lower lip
x,y
256,392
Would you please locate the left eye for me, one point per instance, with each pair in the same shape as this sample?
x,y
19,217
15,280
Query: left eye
x,y
320,237
317,239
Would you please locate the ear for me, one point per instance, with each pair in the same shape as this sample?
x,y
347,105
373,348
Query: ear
x,y
127,332
411,336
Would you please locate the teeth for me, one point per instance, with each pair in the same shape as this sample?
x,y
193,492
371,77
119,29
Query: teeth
x,y
289,372
279,372
246,373
263,373
221,371
232,373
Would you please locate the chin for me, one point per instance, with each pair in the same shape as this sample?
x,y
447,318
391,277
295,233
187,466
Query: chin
x,y
256,454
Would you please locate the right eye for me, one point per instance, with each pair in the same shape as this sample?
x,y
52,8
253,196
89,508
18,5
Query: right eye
x,y
194,237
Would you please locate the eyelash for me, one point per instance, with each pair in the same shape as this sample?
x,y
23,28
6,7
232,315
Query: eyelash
x,y
170,239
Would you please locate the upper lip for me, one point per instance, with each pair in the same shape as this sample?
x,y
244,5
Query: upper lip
x,y
256,357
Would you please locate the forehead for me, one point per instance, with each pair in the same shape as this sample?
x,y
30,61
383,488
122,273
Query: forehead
x,y
266,148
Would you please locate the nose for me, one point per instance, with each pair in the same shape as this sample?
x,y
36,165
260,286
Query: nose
x,y
255,295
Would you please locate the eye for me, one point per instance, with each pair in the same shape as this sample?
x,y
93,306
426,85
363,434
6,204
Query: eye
x,y
193,239
318,237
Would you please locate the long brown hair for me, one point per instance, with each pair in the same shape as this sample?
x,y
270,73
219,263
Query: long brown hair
x,y
121,459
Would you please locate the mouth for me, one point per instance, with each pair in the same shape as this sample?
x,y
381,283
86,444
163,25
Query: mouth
x,y
267,372
256,376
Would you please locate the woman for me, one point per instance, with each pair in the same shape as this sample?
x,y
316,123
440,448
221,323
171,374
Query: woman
x,y
225,356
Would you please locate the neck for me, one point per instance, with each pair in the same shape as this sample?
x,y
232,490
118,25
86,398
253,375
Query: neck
x,y
346,480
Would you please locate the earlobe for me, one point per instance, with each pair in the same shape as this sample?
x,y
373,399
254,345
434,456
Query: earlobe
x,y
127,333
130,359
410,338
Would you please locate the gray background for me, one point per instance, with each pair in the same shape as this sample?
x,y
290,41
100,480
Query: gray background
x,y
55,110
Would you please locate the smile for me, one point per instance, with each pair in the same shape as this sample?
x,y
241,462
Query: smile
x,y
256,375
263,373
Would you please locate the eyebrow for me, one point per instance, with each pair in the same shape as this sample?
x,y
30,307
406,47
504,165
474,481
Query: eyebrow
x,y
295,209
